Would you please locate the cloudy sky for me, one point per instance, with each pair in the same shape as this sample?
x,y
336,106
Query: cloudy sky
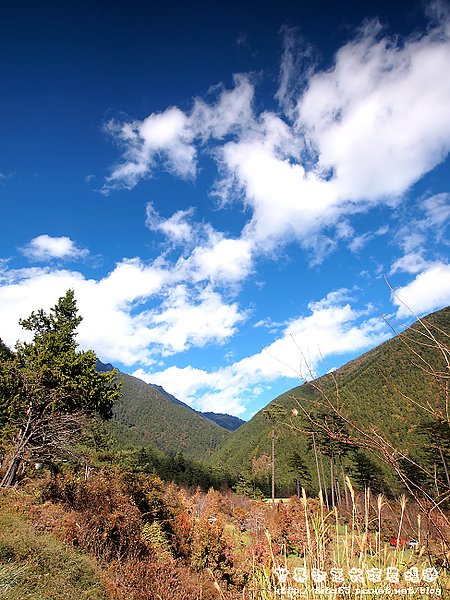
x,y
229,190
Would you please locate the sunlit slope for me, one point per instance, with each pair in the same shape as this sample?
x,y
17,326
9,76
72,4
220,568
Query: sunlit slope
x,y
372,388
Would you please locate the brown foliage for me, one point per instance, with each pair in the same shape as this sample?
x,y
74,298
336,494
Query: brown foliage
x,y
141,580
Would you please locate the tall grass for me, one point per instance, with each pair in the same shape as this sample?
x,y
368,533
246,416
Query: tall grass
x,y
348,555
37,566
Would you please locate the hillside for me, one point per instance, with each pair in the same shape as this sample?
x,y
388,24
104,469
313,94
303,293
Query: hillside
x,y
372,389
226,421
223,420
148,416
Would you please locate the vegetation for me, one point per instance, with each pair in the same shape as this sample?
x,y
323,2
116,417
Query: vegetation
x,y
37,565
374,390
48,389
134,521
226,421
152,540
153,419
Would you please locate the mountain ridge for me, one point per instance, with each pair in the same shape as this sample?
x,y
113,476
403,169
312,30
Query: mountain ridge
x,y
372,387
226,421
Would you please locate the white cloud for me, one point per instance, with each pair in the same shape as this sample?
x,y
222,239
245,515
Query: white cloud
x,y
365,131
163,135
177,227
223,260
118,322
188,318
45,247
169,135
428,291
412,262
213,257
428,221
359,241
332,328
379,118
437,212
232,113
286,201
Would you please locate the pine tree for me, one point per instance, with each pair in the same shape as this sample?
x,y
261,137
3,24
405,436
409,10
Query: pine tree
x,y
48,389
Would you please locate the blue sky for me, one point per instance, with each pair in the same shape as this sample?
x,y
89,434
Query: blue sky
x,y
225,188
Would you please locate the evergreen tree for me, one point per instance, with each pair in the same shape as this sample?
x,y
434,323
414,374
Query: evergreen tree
x,y
300,470
273,413
48,388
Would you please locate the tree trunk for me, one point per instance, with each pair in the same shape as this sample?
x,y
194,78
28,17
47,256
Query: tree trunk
x,y
344,483
333,495
445,466
324,483
273,467
11,472
319,479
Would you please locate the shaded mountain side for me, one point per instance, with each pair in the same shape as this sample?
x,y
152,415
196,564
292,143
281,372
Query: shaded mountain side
x,y
153,419
171,397
223,420
372,389
226,421
103,367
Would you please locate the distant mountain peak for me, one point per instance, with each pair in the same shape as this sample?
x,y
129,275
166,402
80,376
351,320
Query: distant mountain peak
x,y
223,420
101,367
226,421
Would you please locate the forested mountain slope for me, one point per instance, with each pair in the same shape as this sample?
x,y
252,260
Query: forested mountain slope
x,y
378,390
151,418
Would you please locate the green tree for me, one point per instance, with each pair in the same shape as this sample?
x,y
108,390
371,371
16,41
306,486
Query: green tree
x,y
367,473
300,470
273,413
49,389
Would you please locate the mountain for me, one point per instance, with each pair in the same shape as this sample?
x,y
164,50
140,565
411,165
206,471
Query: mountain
x,y
147,416
228,422
379,390
103,367
170,396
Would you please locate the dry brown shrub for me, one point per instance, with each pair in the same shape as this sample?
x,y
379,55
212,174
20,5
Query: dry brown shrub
x,y
211,549
287,526
141,580
100,516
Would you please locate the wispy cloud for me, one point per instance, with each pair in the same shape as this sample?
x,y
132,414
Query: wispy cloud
x,y
358,134
163,137
176,228
4,177
296,68
332,327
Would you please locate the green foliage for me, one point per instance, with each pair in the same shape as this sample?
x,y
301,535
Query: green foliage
x,y
248,488
48,388
154,535
300,469
379,391
179,469
151,418
67,378
366,473
36,565
226,421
